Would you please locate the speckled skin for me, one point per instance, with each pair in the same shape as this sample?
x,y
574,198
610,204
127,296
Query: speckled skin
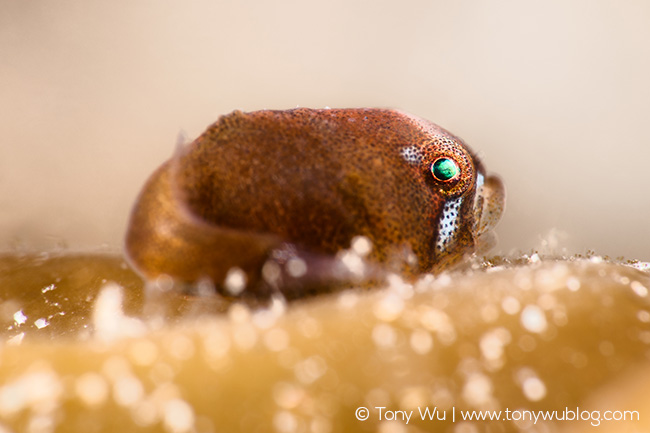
x,y
254,183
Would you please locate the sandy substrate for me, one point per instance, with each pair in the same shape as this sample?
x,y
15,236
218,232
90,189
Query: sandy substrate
x,y
85,350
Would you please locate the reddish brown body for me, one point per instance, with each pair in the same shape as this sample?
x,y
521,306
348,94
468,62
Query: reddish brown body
x,y
307,181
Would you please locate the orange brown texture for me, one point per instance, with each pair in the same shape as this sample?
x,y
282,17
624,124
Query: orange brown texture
x,y
314,179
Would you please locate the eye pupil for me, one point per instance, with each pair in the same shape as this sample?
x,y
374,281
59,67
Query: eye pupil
x,y
444,169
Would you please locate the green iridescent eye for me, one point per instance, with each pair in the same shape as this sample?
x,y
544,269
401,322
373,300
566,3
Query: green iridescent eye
x,y
445,169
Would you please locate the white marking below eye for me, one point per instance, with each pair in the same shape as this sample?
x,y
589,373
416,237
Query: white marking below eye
x,y
411,154
448,225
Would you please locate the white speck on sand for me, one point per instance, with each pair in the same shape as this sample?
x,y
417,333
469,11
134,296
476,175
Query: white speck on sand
x,y
19,317
533,319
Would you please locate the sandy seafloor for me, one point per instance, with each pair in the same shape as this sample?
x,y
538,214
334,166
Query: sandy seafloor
x,y
85,350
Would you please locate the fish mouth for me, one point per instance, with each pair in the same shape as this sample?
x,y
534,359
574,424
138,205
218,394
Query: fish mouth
x,y
489,205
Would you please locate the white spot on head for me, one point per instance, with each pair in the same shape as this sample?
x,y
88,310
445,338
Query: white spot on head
x,y
411,154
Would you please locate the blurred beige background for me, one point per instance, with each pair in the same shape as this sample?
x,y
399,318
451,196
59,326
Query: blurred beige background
x,y
555,95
